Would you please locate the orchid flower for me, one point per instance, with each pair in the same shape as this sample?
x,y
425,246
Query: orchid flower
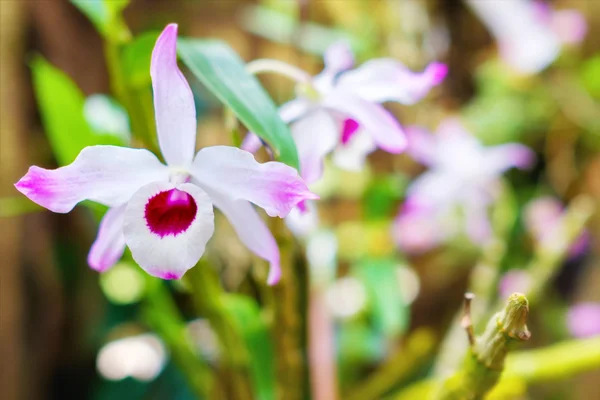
x,y
338,110
529,33
542,220
164,213
462,173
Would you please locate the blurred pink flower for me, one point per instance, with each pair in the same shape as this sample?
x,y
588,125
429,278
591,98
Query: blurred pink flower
x,y
339,110
462,173
583,320
542,220
529,33
164,213
515,280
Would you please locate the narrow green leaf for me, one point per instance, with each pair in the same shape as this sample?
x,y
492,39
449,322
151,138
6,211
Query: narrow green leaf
x,y
222,71
389,311
61,105
255,332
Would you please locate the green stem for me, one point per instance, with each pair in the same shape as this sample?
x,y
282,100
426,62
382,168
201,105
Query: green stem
x,y
161,314
141,124
289,304
408,359
559,361
484,363
207,295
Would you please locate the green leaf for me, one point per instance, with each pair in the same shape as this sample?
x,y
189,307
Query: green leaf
x,y
255,332
61,106
390,313
223,72
136,59
106,16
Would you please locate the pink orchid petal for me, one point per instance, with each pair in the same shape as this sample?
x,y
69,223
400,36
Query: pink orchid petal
x,y
506,156
583,320
160,253
338,57
388,80
352,155
273,186
478,226
422,145
108,175
376,120
109,245
527,42
436,188
315,136
251,143
288,112
416,229
252,231
173,102
570,26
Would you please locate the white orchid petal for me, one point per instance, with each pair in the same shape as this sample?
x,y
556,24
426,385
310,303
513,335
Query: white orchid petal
x,y
315,136
109,245
173,102
273,186
166,227
108,175
386,79
526,39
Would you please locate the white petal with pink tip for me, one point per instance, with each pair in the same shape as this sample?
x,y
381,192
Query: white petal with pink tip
x,y
273,186
108,175
109,245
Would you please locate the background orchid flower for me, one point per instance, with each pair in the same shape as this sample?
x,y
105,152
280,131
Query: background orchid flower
x,y
529,32
583,320
164,213
339,110
542,219
462,173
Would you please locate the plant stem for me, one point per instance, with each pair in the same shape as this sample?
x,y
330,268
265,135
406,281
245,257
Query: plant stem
x,y
279,67
484,362
207,296
559,361
161,314
411,356
141,126
290,306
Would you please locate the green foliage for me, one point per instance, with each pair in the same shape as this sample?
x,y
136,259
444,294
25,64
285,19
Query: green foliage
x,y
61,105
221,70
390,313
136,59
251,324
106,17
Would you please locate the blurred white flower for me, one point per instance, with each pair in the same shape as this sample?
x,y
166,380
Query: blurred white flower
x,y
141,357
529,33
